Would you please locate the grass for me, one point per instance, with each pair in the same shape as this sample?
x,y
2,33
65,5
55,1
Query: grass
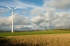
x,y
33,33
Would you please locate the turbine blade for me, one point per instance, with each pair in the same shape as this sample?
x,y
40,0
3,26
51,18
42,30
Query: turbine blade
x,y
8,7
16,7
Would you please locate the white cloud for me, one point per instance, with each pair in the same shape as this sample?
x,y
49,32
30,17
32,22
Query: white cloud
x,y
24,12
36,11
4,21
19,22
3,10
62,20
58,4
52,15
37,19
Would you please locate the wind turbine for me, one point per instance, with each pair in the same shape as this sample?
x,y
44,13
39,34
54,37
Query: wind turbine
x,y
43,23
48,25
12,15
43,26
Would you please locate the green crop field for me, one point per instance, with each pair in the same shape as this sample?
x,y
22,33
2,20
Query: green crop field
x,y
33,33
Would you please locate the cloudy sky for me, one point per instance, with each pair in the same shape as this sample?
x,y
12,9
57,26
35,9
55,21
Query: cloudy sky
x,y
35,14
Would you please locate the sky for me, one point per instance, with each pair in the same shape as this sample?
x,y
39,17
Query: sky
x,y
35,14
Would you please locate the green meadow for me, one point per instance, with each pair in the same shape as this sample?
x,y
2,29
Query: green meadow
x,y
34,32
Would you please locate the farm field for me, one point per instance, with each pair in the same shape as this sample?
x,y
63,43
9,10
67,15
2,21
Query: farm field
x,y
41,38
34,33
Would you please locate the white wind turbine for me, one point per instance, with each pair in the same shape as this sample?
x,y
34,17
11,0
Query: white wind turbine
x,y
43,23
12,15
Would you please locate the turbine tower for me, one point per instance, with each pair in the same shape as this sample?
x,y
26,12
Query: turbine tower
x,y
43,25
12,15
48,25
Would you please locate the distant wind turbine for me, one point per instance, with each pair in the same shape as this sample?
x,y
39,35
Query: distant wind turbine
x,y
43,26
44,23
12,15
48,26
